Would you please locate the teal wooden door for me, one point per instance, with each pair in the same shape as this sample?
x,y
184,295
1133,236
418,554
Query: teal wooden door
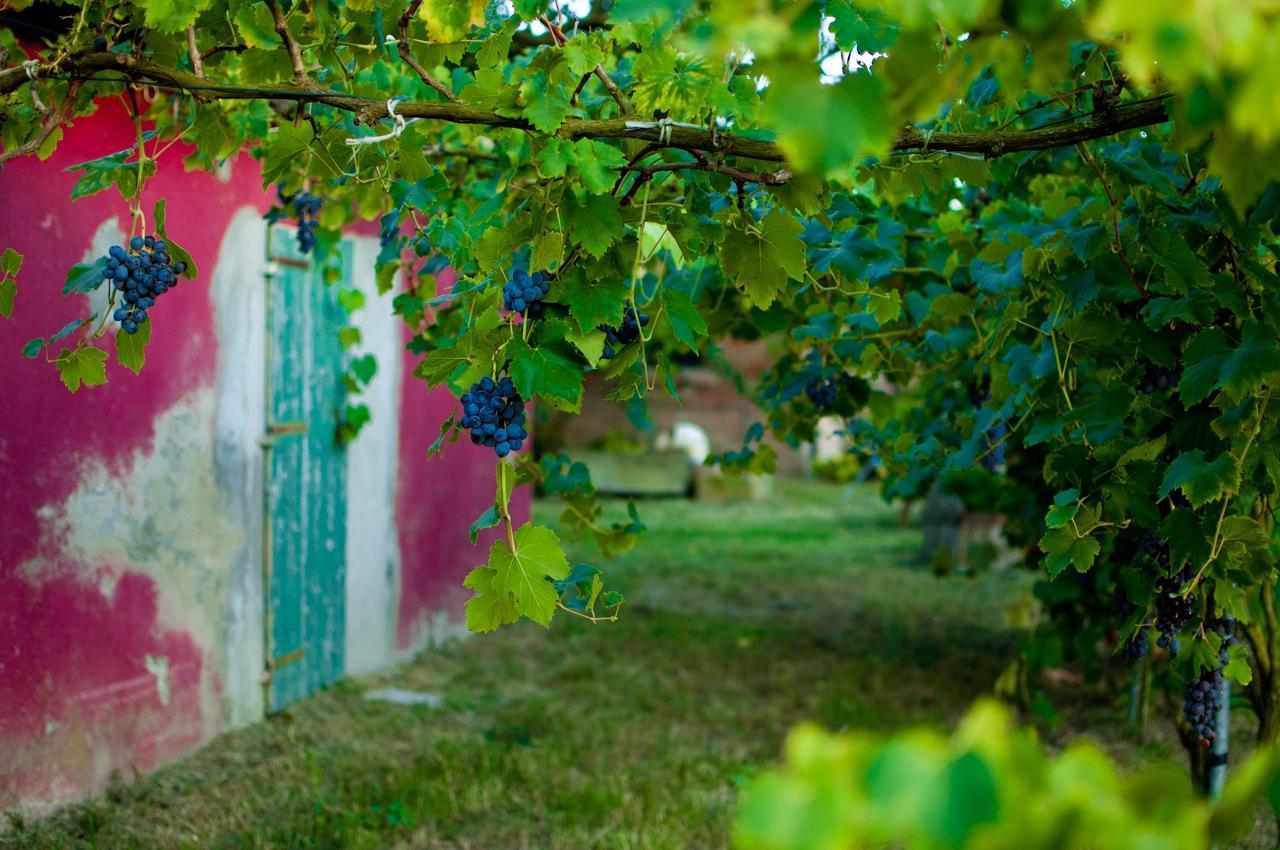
x,y
306,477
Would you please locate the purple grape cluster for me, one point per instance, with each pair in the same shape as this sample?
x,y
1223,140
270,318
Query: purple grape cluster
x,y
1173,611
1154,379
141,273
1201,702
1202,699
616,339
306,209
821,390
494,414
523,294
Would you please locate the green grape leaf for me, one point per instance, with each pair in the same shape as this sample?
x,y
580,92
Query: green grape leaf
x,y
687,323
548,248
1062,549
171,16
545,372
1199,481
595,162
583,53
68,329
257,27
823,127
595,222
546,99
84,277
131,348
591,343
451,20
492,606
1210,362
864,30
591,303
10,262
364,368
555,158
526,572
86,365
8,291
759,262
105,172
488,519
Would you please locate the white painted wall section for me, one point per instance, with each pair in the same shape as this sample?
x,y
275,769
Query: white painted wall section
x,y
373,551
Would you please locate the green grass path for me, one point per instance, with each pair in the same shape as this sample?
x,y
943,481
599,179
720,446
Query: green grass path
x,y
741,621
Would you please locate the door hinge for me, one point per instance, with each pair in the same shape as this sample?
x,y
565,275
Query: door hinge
x,y
274,664
277,430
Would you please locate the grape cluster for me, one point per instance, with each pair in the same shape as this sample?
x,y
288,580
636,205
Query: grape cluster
x,y
821,390
993,447
1202,699
1173,611
142,273
616,339
1200,704
1154,379
524,292
494,414
306,208
1135,648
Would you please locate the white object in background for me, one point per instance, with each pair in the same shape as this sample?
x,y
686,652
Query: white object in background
x,y
399,696
829,439
689,438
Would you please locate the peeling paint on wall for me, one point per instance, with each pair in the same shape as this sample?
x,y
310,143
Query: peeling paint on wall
x,y
237,292
164,516
373,550
131,575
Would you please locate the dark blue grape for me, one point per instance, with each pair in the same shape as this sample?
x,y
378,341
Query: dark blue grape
x,y
137,243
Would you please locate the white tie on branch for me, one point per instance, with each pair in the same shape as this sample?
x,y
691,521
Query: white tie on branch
x,y
400,124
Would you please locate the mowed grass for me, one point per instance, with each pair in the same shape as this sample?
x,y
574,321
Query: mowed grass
x,y
741,620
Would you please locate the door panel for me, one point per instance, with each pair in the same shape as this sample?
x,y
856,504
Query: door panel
x,y
305,550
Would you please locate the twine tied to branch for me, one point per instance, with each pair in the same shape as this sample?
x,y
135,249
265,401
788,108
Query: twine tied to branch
x,y
400,124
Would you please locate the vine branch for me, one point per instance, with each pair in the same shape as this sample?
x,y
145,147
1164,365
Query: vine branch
x,y
295,54
623,103
403,48
368,110
56,118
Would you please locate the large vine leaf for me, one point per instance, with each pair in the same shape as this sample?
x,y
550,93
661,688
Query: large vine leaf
x,y
517,581
762,259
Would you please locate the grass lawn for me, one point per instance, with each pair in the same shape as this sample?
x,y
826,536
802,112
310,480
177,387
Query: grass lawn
x,y
741,620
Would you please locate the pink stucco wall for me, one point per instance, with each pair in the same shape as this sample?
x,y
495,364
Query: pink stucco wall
x,y
437,499
76,700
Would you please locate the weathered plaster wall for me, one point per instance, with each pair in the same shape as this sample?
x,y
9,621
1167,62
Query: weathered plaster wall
x,y
119,543
239,307
131,597
373,551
